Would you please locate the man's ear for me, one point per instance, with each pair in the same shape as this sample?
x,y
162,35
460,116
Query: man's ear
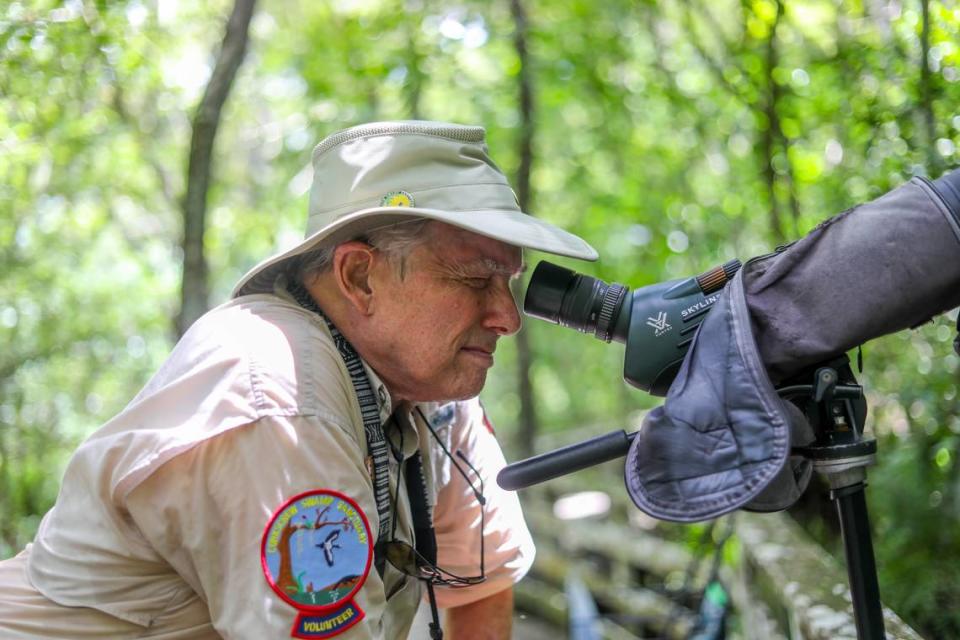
x,y
353,263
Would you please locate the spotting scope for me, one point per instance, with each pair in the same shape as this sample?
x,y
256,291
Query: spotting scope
x,y
656,323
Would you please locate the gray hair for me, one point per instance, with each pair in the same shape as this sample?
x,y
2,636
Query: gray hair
x,y
396,241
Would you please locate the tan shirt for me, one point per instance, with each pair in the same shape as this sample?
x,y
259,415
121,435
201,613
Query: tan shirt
x,y
158,526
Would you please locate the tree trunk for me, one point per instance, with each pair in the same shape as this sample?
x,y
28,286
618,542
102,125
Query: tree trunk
x,y
773,59
926,94
194,290
285,579
768,145
528,409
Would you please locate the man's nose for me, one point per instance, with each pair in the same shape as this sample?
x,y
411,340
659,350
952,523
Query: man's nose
x,y
503,316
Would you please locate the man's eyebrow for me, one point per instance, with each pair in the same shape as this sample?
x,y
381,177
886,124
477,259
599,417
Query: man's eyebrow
x,y
488,265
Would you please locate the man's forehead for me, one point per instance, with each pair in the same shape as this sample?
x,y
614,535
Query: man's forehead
x,y
472,250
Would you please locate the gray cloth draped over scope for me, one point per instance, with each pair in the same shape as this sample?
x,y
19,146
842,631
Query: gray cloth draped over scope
x,y
721,441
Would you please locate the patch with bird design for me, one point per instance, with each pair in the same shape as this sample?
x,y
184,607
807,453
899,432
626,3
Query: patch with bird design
x,y
316,553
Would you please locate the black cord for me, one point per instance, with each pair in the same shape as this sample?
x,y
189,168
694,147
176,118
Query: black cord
x,y
483,503
436,631
477,494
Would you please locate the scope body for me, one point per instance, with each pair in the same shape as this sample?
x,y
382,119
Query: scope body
x,y
656,323
663,320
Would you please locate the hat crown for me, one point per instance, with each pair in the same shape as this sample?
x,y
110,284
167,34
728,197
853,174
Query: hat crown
x,y
438,165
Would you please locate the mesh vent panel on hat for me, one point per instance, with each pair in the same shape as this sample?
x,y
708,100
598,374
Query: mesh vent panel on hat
x,y
463,133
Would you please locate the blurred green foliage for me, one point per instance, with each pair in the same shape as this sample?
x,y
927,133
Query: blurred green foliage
x,y
672,136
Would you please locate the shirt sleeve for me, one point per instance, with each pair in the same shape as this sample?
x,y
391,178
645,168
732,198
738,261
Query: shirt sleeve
x,y
507,546
206,511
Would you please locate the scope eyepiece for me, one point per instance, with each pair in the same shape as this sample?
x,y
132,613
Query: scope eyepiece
x,y
570,299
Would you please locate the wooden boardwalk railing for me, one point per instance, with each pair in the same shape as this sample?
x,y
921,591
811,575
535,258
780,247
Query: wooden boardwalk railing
x,y
782,584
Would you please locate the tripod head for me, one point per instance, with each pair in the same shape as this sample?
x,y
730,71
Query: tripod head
x,y
832,402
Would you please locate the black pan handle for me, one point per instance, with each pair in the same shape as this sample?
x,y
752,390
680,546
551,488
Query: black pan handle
x,y
574,457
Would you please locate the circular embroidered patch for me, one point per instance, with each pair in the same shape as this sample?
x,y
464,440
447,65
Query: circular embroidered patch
x,y
316,553
397,199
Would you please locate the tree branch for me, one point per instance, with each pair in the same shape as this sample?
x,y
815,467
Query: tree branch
x,y
163,176
119,105
194,290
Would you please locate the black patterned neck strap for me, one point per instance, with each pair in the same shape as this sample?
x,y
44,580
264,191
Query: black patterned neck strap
x,y
370,412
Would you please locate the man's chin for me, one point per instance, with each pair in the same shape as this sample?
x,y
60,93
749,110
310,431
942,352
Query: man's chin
x,y
463,390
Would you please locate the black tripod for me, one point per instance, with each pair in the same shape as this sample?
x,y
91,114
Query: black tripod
x,y
835,407
833,404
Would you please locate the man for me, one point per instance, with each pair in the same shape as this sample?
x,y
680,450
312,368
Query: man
x,y
278,475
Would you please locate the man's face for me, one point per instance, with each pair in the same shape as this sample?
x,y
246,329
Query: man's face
x,y
438,322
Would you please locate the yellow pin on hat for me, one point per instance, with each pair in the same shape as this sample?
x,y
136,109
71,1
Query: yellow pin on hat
x,y
397,199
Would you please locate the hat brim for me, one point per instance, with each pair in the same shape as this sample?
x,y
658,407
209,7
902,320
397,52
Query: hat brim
x,y
510,226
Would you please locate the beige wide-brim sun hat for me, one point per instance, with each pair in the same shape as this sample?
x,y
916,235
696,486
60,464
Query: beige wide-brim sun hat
x,y
378,174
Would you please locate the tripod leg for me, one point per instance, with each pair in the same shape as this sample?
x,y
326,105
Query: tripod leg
x,y
861,567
